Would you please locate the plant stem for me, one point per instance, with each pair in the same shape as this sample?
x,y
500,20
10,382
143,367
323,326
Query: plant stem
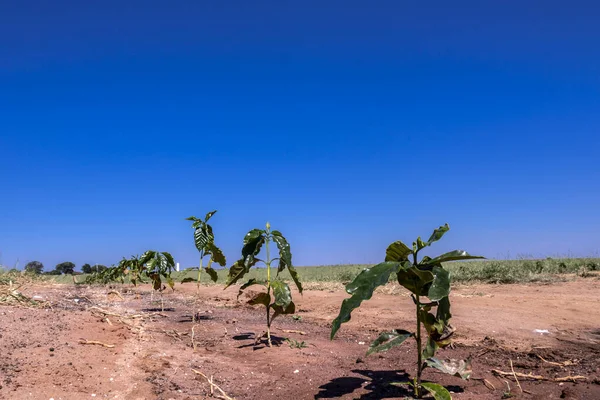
x,y
199,272
267,239
419,353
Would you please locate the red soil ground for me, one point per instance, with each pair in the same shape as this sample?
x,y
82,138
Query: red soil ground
x,y
41,356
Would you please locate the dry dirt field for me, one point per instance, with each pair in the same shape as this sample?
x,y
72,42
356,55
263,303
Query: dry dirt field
x,y
153,357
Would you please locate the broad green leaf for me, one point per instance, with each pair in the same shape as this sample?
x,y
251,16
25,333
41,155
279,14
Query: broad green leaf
x,y
203,237
285,258
216,254
440,287
214,276
430,348
437,391
170,261
282,294
208,215
278,310
260,298
443,310
415,280
147,256
459,368
253,241
236,272
455,255
362,289
387,340
250,282
188,279
397,251
437,234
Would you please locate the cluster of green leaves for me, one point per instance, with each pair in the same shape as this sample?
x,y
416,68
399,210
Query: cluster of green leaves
x,y
280,302
152,264
426,278
204,239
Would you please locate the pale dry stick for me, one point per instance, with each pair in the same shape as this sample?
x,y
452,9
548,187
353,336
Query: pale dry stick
x,y
193,343
84,341
515,375
557,364
213,385
108,320
539,377
293,331
486,383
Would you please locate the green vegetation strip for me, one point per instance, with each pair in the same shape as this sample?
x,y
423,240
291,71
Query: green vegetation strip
x,y
488,271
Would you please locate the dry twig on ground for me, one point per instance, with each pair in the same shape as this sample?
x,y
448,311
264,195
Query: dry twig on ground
x,y
539,377
84,341
213,386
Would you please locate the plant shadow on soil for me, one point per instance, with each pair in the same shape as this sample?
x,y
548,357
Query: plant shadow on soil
x,y
275,340
377,383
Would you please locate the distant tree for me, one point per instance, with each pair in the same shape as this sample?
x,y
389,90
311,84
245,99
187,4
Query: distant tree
x,y
34,267
86,268
66,268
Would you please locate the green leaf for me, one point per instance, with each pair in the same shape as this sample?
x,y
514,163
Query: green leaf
x,y
203,236
170,261
260,298
397,251
455,255
459,368
208,215
437,391
362,289
285,258
420,243
437,234
415,280
279,310
253,241
188,279
387,340
216,254
282,293
214,276
236,272
443,310
430,348
440,287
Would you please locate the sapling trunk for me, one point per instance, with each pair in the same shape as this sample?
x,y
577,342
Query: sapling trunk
x,y
268,287
199,272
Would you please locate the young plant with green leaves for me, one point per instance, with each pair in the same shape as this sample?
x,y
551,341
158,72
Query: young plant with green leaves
x,y
158,265
134,267
280,302
429,284
204,239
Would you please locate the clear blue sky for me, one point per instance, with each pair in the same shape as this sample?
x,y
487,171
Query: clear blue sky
x,y
346,124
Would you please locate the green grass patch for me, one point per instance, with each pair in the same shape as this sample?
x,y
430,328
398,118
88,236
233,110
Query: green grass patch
x,y
487,271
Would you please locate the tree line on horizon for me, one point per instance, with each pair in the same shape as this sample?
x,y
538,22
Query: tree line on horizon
x,y
63,268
